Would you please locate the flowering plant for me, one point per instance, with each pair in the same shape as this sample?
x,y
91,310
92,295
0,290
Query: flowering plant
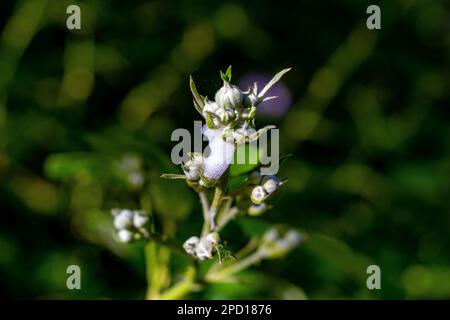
x,y
229,126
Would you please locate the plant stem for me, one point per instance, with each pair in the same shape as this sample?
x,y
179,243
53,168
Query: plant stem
x,y
182,288
215,206
222,274
226,217
151,266
205,209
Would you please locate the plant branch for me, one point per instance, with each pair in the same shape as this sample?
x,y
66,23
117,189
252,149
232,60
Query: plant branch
x,y
205,209
215,206
239,265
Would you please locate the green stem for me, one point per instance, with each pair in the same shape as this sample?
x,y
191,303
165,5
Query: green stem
x,y
151,268
226,272
205,209
182,288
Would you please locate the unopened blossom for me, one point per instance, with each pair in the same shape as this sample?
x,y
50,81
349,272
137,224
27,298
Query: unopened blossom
x,y
271,184
258,195
139,220
125,235
123,220
193,167
229,96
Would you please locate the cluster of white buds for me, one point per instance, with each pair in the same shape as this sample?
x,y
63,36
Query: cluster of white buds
x,y
229,123
130,225
202,248
274,245
193,166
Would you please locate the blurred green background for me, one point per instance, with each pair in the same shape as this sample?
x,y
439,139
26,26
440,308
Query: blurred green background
x,y
86,118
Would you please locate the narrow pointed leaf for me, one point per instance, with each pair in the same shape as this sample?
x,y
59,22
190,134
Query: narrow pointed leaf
x,y
274,80
197,107
228,73
198,99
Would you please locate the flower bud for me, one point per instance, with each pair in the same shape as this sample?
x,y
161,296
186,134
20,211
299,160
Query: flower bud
x,y
190,245
212,108
293,238
257,209
229,96
258,195
125,235
274,246
139,220
271,185
271,235
204,249
123,220
193,167
213,238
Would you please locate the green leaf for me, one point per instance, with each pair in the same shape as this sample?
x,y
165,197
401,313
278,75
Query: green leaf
x,y
209,121
172,176
197,107
227,75
274,80
235,182
249,164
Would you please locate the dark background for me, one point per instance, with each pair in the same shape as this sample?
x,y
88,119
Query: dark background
x,y
86,118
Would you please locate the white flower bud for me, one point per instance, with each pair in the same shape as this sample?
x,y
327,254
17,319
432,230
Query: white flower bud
x,y
190,245
293,237
271,185
229,96
139,220
271,236
125,235
193,167
204,249
123,220
213,238
257,209
258,195
211,107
